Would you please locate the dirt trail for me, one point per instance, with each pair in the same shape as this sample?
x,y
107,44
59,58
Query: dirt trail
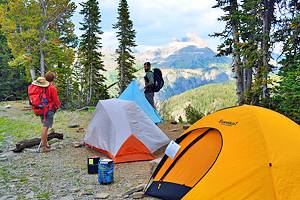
x,y
62,173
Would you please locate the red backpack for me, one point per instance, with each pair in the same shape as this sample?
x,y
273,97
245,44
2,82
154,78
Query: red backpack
x,y
38,99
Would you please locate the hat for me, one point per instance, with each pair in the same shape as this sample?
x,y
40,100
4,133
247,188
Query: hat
x,y
41,82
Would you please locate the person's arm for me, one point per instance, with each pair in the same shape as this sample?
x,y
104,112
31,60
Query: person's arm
x,y
56,101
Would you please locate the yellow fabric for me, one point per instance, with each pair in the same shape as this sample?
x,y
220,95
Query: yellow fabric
x,y
259,160
183,145
197,160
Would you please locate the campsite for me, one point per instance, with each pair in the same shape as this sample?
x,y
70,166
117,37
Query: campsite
x,y
149,99
62,174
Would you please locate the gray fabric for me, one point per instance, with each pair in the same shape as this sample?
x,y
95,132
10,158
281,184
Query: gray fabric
x,y
150,98
49,119
149,82
115,120
150,76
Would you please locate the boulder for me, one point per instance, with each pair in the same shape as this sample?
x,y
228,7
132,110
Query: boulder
x,y
101,195
135,189
137,195
186,126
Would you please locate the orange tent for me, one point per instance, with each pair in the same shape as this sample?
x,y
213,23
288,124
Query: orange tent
x,y
245,152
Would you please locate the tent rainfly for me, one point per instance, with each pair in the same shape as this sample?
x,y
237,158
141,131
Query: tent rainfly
x,y
244,152
133,93
122,131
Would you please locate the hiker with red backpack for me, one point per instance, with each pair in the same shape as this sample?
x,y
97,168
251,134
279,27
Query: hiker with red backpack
x,y
45,102
153,82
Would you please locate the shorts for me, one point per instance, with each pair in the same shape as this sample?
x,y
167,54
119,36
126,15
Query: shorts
x,y
49,119
150,98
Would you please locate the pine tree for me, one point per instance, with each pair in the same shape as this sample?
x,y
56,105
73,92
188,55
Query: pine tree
x,y
231,44
90,56
250,32
286,98
248,37
126,37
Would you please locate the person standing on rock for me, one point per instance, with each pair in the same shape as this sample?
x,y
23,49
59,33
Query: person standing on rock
x,y
149,83
44,101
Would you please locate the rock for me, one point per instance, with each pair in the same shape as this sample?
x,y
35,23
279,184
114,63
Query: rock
x,y
137,195
30,195
31,179
186,126
135,189
73,126
74,190
8,197
80,194
32,163
102,196
154,164
34,174
8,106
7,154
3,159
174,130
78,144
88,193
174,122
30,150
69,197
80,130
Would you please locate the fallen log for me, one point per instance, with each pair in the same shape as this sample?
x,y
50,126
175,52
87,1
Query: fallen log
x,y
20,146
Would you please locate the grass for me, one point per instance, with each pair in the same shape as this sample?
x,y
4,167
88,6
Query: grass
x,y
19,130
4,174
44,195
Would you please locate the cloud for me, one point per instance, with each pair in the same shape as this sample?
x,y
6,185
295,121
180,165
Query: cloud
x,y
156,21
109,40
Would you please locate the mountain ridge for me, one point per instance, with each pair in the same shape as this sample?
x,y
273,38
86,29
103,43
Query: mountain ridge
x,y
186,63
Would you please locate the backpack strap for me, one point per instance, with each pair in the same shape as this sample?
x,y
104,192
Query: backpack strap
x,y
46,106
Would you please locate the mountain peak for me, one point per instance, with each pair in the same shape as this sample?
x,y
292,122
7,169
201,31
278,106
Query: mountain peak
x,y
191,39
162,52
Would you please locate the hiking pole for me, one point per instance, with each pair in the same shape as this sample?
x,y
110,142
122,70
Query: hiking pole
x,y
39,147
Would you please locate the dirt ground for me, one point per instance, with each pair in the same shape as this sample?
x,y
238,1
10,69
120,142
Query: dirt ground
x,y
62,173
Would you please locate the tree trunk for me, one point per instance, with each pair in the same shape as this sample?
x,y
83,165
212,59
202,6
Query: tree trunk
x,y
90,89
42,62
122,71
32,73
34,142
43,37
267,17
248,79
236,53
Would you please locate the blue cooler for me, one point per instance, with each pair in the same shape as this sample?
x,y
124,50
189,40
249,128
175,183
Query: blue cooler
x,y
105,171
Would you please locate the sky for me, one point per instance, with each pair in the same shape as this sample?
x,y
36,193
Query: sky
x,y
157,22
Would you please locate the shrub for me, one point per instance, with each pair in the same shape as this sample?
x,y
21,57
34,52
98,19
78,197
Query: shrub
x,y
192,114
